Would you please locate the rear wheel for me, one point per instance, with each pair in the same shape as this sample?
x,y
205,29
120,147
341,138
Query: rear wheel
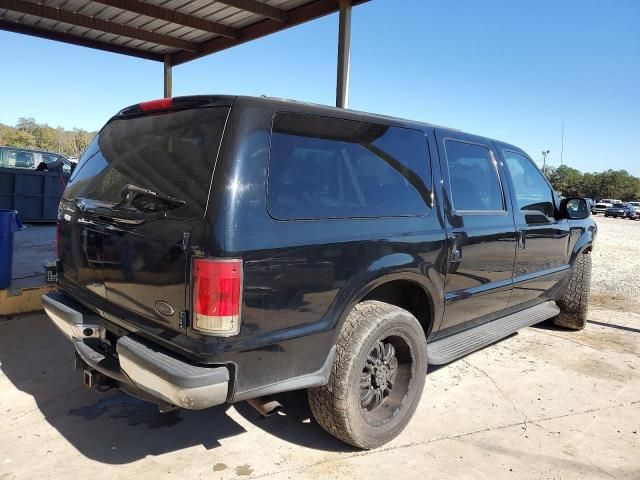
x,y
575,301
377,377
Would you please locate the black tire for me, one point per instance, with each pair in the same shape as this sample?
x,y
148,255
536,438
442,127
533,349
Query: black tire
x,y
353,406
574,304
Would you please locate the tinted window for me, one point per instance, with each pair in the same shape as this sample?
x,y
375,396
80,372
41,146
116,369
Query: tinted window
x,y
331,168
473,175
170,153
532,191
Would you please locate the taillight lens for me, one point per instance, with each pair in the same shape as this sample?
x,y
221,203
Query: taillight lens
x,y
217,288
160,104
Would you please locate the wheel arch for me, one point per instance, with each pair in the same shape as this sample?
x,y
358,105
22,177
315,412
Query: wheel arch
x,y
585,241
413,292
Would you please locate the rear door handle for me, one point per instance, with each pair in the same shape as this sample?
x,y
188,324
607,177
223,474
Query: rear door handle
x,y
521,239
455,253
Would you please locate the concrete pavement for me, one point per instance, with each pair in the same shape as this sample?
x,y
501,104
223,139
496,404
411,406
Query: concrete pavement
x,y
544,403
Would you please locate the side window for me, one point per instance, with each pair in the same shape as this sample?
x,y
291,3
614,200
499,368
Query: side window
x,y
49,158
323,167
474,179
20,159
532,191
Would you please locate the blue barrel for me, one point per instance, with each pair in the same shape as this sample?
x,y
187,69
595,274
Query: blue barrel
x,y
9,224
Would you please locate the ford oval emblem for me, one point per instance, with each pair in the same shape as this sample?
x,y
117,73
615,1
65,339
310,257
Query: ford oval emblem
x,y
164,308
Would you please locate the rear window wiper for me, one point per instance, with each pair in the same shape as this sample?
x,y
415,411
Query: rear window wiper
x,y
130,193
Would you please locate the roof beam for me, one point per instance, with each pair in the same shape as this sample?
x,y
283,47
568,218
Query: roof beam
x,y
258,7
75,40
172,16
93,23
295,16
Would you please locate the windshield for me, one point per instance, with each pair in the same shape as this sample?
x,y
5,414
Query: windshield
x,y
170,153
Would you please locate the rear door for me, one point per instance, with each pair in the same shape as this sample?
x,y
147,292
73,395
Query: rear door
x,y
480,230
132,202
542,256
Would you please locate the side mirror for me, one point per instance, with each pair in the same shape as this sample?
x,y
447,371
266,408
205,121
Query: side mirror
x,y
574,208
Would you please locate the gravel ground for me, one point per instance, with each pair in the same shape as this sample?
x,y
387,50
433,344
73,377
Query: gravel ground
x,y
616,262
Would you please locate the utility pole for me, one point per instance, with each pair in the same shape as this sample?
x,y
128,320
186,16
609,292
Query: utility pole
x,y
562,148
344,54
544,160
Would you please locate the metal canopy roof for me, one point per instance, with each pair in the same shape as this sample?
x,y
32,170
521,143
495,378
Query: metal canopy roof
x,y
173,31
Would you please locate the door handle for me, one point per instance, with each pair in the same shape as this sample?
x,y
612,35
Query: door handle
x,y
521,239
455,254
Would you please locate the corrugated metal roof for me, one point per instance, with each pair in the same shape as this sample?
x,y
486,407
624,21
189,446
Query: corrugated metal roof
x,y
182,29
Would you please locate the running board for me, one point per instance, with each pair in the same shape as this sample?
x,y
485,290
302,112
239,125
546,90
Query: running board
x,y
460,344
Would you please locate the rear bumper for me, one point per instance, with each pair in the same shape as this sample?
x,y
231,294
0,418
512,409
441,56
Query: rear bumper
x,y
136,362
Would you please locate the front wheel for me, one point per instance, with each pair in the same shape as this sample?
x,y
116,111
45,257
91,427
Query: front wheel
x,y
377,376
574,304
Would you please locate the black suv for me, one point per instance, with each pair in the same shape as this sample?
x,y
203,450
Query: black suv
x,y
215,249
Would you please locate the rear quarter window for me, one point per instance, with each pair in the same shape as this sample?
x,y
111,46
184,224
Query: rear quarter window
x,y
329,168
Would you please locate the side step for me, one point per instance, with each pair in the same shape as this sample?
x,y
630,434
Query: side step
x,y
447,349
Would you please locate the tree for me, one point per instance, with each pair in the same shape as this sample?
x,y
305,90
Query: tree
x,y
567,180
45,138
19,138
27,124
608,184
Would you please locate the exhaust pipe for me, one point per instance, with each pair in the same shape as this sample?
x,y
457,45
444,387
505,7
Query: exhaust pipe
x,y
266,406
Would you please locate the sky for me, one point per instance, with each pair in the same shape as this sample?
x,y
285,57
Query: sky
x,y
514,71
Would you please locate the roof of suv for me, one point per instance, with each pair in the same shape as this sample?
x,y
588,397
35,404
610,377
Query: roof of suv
x,y
192,101
35,150
284,103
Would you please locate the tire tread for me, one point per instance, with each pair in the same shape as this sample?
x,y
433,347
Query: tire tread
x,y
574,304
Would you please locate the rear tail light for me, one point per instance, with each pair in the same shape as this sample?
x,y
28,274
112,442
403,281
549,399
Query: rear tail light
x,y
217,289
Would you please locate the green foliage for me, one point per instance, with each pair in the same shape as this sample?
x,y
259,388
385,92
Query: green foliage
x,y
27,133
608,184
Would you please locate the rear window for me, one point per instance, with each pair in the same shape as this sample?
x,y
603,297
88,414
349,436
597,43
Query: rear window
x,y
169,153
323,167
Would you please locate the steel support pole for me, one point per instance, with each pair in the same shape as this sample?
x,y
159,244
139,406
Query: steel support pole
x,y
344,54
167,76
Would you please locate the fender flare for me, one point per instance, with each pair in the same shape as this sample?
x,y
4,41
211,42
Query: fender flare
x,y
424,281
585,241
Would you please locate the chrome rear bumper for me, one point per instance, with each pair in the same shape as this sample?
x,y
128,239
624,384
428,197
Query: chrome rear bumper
x,y
142,364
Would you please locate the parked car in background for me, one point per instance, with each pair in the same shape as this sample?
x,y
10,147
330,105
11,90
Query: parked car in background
x,y
632,210
602,205
616,210
14,157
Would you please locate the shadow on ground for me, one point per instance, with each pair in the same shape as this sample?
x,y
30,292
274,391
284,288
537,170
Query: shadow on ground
x,y
115,428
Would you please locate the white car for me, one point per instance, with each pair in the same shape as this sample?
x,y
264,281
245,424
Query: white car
x,y
602,205
632,210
